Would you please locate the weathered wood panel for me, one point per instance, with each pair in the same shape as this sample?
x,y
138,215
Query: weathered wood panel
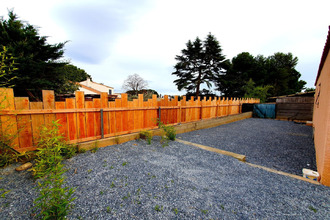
x,y
295,108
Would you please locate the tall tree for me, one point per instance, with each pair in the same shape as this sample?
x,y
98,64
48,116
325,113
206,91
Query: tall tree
x,y
134,83
198,64
275,73
37,61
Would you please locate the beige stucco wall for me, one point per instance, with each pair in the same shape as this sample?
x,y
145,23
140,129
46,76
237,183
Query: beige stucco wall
x,y
321,122
97,86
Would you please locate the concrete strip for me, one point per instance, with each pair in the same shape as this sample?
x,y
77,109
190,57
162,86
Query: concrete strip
x,y
227,153
283,173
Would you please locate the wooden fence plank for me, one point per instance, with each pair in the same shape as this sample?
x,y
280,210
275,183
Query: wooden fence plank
x,y
136,114
154,115
37,121
97,104
23,123
104,104
130,119
62,120
119,116
124,104
140,112
112,118
90,120
72,119
48,98
81,116
8,123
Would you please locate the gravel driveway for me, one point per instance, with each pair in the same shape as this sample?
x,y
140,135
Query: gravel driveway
x,y
134,180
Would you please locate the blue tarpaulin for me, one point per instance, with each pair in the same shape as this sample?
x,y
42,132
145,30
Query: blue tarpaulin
x,y
264,110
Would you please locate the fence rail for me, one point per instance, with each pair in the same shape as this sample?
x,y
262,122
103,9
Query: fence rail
x,y
82,120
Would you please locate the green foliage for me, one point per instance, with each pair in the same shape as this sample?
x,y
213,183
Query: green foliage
x,y
261,92
199,63
169,133
94,149
158,208
276,74
54,201
52,148
7,68
146,135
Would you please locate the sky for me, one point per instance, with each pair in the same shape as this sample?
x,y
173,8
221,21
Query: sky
x,y
112,39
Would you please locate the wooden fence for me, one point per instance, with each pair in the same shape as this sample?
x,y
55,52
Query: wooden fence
x,y
82,120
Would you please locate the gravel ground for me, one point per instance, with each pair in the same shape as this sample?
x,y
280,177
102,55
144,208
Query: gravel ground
x,y
281,145
134,180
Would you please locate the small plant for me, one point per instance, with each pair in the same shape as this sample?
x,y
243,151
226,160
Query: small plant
x,y
81,150
169,133
175,210
124,163
3,192
108,209
158,208
54,201
146,135
112,185
204,211
94,149
89,171
312,209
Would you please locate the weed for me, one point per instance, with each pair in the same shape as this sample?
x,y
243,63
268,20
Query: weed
x,y
124,163
158,208
108,209
111,167
222,207
312,209
101,192
81,150
175,210
94,149
112,185
204,211
127,196
89,171
146,135
3,192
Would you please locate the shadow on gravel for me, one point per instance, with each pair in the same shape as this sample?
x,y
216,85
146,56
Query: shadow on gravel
x,y
281,145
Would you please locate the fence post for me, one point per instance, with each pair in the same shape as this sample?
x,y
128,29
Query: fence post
x,y
102,130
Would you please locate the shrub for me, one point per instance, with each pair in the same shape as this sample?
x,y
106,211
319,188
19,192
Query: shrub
x,y
55,200
146,135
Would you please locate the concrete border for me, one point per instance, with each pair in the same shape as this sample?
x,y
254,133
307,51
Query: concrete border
x,y
180,128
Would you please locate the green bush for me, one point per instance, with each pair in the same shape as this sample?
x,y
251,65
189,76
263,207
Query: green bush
x,y
55,200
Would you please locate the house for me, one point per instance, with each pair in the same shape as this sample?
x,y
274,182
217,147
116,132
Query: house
x,y
93,88
321,116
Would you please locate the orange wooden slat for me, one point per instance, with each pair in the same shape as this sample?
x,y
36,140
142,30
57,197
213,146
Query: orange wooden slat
x,y
90,120
97,104
8,123
48,98
124,104
62,120
136,114
81,116
37,122
130,117
72,119
154,114
24,123
112,118
104,104
119,116
140,112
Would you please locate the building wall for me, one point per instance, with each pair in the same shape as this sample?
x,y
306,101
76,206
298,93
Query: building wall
x,y
321,122
96,86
